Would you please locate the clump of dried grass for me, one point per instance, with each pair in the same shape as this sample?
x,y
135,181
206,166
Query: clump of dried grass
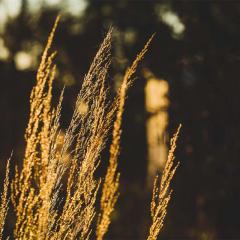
x,y
90,130
50,155
33,186
111,183
36,187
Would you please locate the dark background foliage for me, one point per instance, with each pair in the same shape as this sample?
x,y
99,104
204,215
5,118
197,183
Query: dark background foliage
x,y
201,63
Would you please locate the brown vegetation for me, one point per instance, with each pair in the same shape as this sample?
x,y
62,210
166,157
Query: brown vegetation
x,y
41,213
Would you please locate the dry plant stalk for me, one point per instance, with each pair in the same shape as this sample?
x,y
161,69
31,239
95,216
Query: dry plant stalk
x,y
92,125
37,186
161,191
49,156
111,182
4,201
34,185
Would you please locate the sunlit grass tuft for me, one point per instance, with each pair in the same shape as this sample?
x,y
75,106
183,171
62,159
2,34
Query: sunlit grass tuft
x,y
46,206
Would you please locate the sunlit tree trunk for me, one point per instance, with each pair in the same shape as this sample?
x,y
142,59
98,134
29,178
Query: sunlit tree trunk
x,y
156,103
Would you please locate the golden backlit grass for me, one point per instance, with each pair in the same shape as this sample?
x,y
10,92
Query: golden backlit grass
x,y
161,191
111,183
32,188
4,201
54,192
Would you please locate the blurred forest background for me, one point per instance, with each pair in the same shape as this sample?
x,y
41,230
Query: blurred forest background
x,y
196,50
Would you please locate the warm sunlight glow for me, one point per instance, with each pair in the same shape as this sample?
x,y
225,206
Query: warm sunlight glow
x,y
23,60
4,52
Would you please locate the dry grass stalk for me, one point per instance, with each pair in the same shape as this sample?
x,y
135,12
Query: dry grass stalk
x,y
31,188
36,188
161,191
111,182
4,201
93,126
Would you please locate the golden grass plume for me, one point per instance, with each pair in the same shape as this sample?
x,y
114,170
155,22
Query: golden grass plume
x,y
37,187
161,191
50,155
4,201
111,182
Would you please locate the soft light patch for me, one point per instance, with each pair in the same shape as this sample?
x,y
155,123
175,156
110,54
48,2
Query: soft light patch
x,y
23,60
4,52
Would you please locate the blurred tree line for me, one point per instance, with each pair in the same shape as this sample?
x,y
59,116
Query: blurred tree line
x,y
196,49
